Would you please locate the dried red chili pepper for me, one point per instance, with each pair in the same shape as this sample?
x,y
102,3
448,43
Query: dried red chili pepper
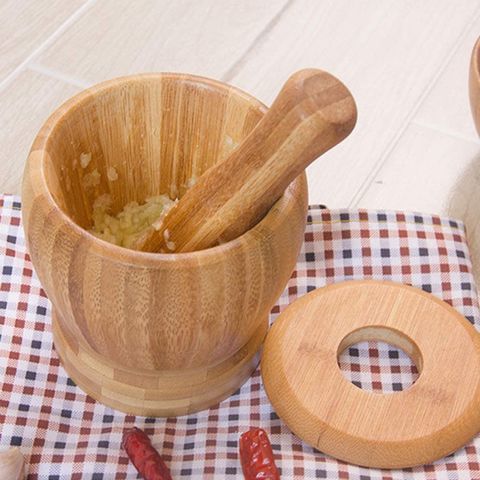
x,y
256,456
146,459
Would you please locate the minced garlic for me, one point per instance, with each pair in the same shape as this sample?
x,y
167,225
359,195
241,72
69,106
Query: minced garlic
x,y
91,179
112,174
85,159
124,228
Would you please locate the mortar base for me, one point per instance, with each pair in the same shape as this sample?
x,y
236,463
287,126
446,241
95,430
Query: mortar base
x,y
156,394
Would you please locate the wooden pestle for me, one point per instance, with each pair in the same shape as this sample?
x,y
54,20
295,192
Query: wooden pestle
x,y
312,113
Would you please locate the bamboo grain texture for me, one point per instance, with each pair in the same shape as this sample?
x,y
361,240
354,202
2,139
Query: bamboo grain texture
x,y
121,316
313,112
432,418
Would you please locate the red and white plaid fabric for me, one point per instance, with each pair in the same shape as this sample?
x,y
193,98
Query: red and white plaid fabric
x,y
64,434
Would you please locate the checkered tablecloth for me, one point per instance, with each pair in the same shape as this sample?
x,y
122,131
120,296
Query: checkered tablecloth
x,y
64,434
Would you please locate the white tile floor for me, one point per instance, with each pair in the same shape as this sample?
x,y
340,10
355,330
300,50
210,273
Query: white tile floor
x,y
406,63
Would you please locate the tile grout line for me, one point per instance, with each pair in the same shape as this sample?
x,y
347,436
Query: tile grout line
x,y
361,191
39,68
232,72
49,40
444,131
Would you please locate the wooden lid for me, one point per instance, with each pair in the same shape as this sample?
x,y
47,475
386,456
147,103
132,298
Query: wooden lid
x,y
435,416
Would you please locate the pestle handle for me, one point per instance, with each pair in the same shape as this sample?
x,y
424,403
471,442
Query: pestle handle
x,y
313,112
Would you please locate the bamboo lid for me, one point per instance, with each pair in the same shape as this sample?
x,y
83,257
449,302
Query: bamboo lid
x,y
435,416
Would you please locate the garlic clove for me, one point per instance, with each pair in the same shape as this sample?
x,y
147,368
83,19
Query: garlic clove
x,y
12,464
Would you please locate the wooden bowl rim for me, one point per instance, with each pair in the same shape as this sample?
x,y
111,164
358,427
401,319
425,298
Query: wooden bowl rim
x,y
283,206
476,61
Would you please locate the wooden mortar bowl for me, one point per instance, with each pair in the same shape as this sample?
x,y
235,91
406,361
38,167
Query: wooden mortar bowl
x,y
474,84
153,334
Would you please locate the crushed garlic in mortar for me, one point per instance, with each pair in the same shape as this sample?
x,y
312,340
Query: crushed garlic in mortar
x,y
124,228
